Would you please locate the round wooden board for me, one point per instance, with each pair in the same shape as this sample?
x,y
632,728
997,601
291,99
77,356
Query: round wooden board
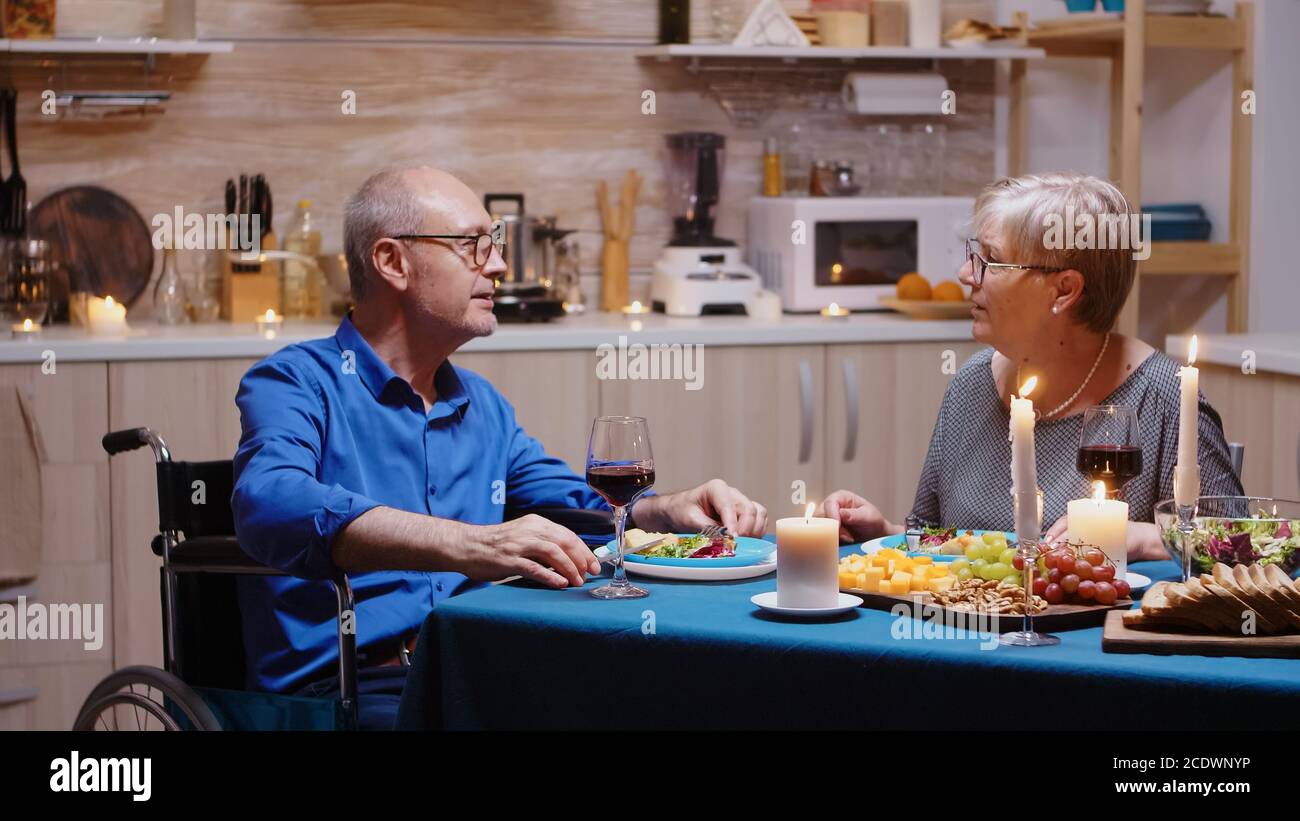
x,y
101,240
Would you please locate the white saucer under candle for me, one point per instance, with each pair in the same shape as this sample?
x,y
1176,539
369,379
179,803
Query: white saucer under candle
x,y
808,559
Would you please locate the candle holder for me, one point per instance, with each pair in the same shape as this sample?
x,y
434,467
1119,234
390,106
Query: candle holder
x,y
1187,488
26,330
1029,526
1186,529
269,325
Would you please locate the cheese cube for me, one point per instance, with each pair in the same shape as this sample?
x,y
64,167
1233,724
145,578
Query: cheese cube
x,y
848,580
941,583
923,559
905,564
938,569
900,583
874,576
920,580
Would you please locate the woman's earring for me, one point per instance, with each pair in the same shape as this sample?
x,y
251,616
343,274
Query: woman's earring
x,y
1053,309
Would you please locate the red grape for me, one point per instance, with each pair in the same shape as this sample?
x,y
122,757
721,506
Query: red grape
x,y
1122,588
1106,593
1050,560
1070,583
1094,556
1087,589
1040,586
1055,575
1053,594
1018,562
1103,573
1083,569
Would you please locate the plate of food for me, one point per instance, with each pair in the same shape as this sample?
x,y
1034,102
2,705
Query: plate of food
x,y
944,543
917,298
694,549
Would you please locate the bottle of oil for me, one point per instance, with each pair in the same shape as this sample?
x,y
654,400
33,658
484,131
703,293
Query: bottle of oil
x,y
300,284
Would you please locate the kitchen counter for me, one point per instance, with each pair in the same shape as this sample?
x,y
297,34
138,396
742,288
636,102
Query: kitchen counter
x,y
1274,352
222,340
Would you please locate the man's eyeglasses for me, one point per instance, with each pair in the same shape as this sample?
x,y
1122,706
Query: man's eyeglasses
x,y
483,244
979,265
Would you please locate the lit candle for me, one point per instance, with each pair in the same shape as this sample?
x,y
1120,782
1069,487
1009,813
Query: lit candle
x,y
835,311
1024,471
269,324
1187,474
807,561
635,308
26,330
104,317
1102,522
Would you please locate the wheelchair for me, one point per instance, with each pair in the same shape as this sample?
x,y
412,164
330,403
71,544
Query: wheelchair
x,y
201,684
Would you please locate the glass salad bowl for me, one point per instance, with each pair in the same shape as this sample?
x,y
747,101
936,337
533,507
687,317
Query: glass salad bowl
x,y
1236,530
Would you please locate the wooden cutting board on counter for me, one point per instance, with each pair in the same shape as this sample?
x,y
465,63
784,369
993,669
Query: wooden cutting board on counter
x,y
1117,638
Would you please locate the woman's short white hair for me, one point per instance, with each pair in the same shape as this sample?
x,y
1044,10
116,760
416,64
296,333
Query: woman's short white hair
x,y
1020,212
384,206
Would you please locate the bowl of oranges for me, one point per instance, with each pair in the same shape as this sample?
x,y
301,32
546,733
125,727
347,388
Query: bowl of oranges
x,y
917,298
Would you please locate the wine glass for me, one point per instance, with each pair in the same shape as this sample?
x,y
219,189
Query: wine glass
x,y
620,467
1110,446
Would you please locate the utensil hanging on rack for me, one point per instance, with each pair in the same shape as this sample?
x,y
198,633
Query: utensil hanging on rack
x,y
13,190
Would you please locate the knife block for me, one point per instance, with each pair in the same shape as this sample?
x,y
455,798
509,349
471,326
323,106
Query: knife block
x,y
246,295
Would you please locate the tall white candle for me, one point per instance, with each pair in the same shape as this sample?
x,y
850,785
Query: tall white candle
x,y
807,561
105,317
1186,475
1102,522
1024,470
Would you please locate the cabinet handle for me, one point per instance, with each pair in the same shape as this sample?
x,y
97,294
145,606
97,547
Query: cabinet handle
x,y
805,411
850,410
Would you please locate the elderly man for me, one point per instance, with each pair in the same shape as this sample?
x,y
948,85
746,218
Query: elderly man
x,y
371,453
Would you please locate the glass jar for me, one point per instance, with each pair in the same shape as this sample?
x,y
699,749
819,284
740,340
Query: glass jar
x,y
27,272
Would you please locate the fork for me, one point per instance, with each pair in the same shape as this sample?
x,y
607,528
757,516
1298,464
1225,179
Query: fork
x,y
713,531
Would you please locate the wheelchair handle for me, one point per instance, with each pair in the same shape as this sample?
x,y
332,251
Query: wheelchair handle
x,y
121,441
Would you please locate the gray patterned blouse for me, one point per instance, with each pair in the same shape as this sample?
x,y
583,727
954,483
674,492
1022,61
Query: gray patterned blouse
x,y
966,481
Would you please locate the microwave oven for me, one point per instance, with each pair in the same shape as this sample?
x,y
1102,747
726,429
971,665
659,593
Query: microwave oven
x,y
853,250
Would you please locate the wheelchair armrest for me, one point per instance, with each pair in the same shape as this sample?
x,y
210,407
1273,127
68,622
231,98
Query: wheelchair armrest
x,y
215,552
579,520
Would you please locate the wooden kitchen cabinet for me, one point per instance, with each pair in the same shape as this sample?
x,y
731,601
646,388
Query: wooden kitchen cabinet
x,y
881,403
756,422
71,408
553,392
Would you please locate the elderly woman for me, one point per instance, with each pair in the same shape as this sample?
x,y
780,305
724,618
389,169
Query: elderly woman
x,y
1047,311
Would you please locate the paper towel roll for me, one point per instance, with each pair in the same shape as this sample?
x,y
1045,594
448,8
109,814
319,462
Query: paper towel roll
x,y
893,93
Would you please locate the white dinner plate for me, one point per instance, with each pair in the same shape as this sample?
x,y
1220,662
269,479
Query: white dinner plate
x,y
695,574
1136,581
767,601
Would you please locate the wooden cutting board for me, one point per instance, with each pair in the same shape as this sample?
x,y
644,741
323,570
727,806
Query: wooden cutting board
x,y
1117,638
101,240
1055,617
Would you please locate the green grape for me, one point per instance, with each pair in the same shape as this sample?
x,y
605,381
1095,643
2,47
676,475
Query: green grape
x,y
964,573
1014,578
958,564
998,570
974,551
993,553
990,538
1007,556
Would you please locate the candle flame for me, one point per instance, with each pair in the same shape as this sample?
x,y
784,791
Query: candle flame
x,y
108,302
636,306
27,324
834,308
1028,387
1098,491
270,315
1191,351
808,512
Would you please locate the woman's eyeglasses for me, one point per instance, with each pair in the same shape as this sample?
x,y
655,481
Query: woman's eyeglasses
x,y
979,265
483,244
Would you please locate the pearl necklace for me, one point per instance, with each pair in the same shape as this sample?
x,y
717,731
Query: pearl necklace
x,y
1104,342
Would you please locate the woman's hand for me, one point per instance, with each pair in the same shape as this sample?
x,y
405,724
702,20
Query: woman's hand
x,y
1144,543
859,520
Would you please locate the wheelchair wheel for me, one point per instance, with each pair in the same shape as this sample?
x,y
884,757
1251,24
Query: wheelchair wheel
x,y
144,698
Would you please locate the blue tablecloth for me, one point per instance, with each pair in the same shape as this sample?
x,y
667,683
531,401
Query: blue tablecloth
x,y
519,656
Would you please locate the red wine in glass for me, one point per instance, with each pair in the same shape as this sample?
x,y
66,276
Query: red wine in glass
x,y
620,484
1114,465
1110,446
620,467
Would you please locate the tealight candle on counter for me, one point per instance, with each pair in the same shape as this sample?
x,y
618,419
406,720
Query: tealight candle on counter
x,y
834,311
764,305
807,561
26,330
269,324
1102,522
105,317
635,308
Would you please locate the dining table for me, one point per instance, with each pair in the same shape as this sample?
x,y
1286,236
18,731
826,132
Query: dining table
x,y
700,655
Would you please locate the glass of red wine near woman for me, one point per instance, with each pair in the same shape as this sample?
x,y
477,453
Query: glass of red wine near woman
x,y
620,467
1110,447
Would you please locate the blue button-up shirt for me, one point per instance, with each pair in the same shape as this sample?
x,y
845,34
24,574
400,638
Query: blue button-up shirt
x,y
329,432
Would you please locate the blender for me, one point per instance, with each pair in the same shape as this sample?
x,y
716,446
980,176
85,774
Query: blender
x,y
698,272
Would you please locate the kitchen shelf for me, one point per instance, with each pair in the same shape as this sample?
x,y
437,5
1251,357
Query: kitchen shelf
x,y
101,45
795,53
1063,37
1123,40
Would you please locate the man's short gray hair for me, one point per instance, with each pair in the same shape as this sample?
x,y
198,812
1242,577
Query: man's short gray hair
x,y
384,206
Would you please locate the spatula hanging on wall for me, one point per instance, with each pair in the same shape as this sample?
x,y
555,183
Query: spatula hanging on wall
x,y
13,190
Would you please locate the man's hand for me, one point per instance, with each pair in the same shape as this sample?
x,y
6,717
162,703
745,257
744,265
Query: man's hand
x,y
529,546
712,503
859,519
1144,543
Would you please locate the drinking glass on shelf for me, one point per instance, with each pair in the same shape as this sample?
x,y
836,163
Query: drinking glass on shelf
x,y
1110,446
620,467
